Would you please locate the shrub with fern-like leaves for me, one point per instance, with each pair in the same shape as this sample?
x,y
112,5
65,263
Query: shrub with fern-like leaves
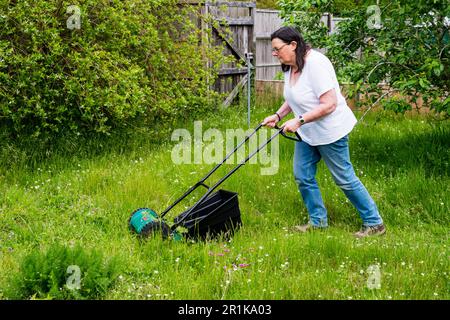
x,y
63,273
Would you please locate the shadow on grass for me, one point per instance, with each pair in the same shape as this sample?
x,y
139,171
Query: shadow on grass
x,y
26,153
429,150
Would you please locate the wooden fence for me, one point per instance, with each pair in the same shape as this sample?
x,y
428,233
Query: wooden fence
x,y
266,22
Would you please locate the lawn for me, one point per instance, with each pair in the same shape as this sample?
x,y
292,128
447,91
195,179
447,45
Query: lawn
x,y
80,192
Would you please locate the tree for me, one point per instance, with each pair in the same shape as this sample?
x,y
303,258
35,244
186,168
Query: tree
x,y
402,44
266,4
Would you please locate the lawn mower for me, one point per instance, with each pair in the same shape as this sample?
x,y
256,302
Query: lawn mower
x,y
212,215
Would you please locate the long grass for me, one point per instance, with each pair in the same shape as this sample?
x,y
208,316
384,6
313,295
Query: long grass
x,y
82,192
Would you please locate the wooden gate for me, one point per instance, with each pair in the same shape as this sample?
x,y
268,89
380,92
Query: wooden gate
x,y
239,19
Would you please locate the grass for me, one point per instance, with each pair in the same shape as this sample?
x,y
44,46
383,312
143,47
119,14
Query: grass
x,y
81,192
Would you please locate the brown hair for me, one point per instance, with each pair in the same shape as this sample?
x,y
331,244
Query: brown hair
x,y
287,35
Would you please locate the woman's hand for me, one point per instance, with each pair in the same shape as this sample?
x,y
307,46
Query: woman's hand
x,y
270,121
291,125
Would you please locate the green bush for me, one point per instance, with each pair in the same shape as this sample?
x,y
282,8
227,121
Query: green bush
x,y
53,275
266,4
129,59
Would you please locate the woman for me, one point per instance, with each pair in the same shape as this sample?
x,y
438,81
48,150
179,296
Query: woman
x,y
323,120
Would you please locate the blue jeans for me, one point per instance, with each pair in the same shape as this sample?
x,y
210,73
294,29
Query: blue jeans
x,y
337,158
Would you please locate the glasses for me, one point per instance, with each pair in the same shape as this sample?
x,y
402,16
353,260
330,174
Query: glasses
x,y
278,49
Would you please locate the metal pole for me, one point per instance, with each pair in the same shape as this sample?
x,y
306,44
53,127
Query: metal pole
x,y
249,85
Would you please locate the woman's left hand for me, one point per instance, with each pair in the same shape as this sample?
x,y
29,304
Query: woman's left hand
x,y
291,125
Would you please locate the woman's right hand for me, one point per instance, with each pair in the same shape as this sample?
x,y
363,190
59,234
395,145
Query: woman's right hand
x,y
270,121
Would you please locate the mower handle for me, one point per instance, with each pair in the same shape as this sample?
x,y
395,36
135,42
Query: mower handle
x,y
212,188
202,181
298,138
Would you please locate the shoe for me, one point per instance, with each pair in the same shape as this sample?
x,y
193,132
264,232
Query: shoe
x,y
366,231
305,228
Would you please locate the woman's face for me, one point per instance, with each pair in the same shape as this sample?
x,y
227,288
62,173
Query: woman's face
x,y
285,52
